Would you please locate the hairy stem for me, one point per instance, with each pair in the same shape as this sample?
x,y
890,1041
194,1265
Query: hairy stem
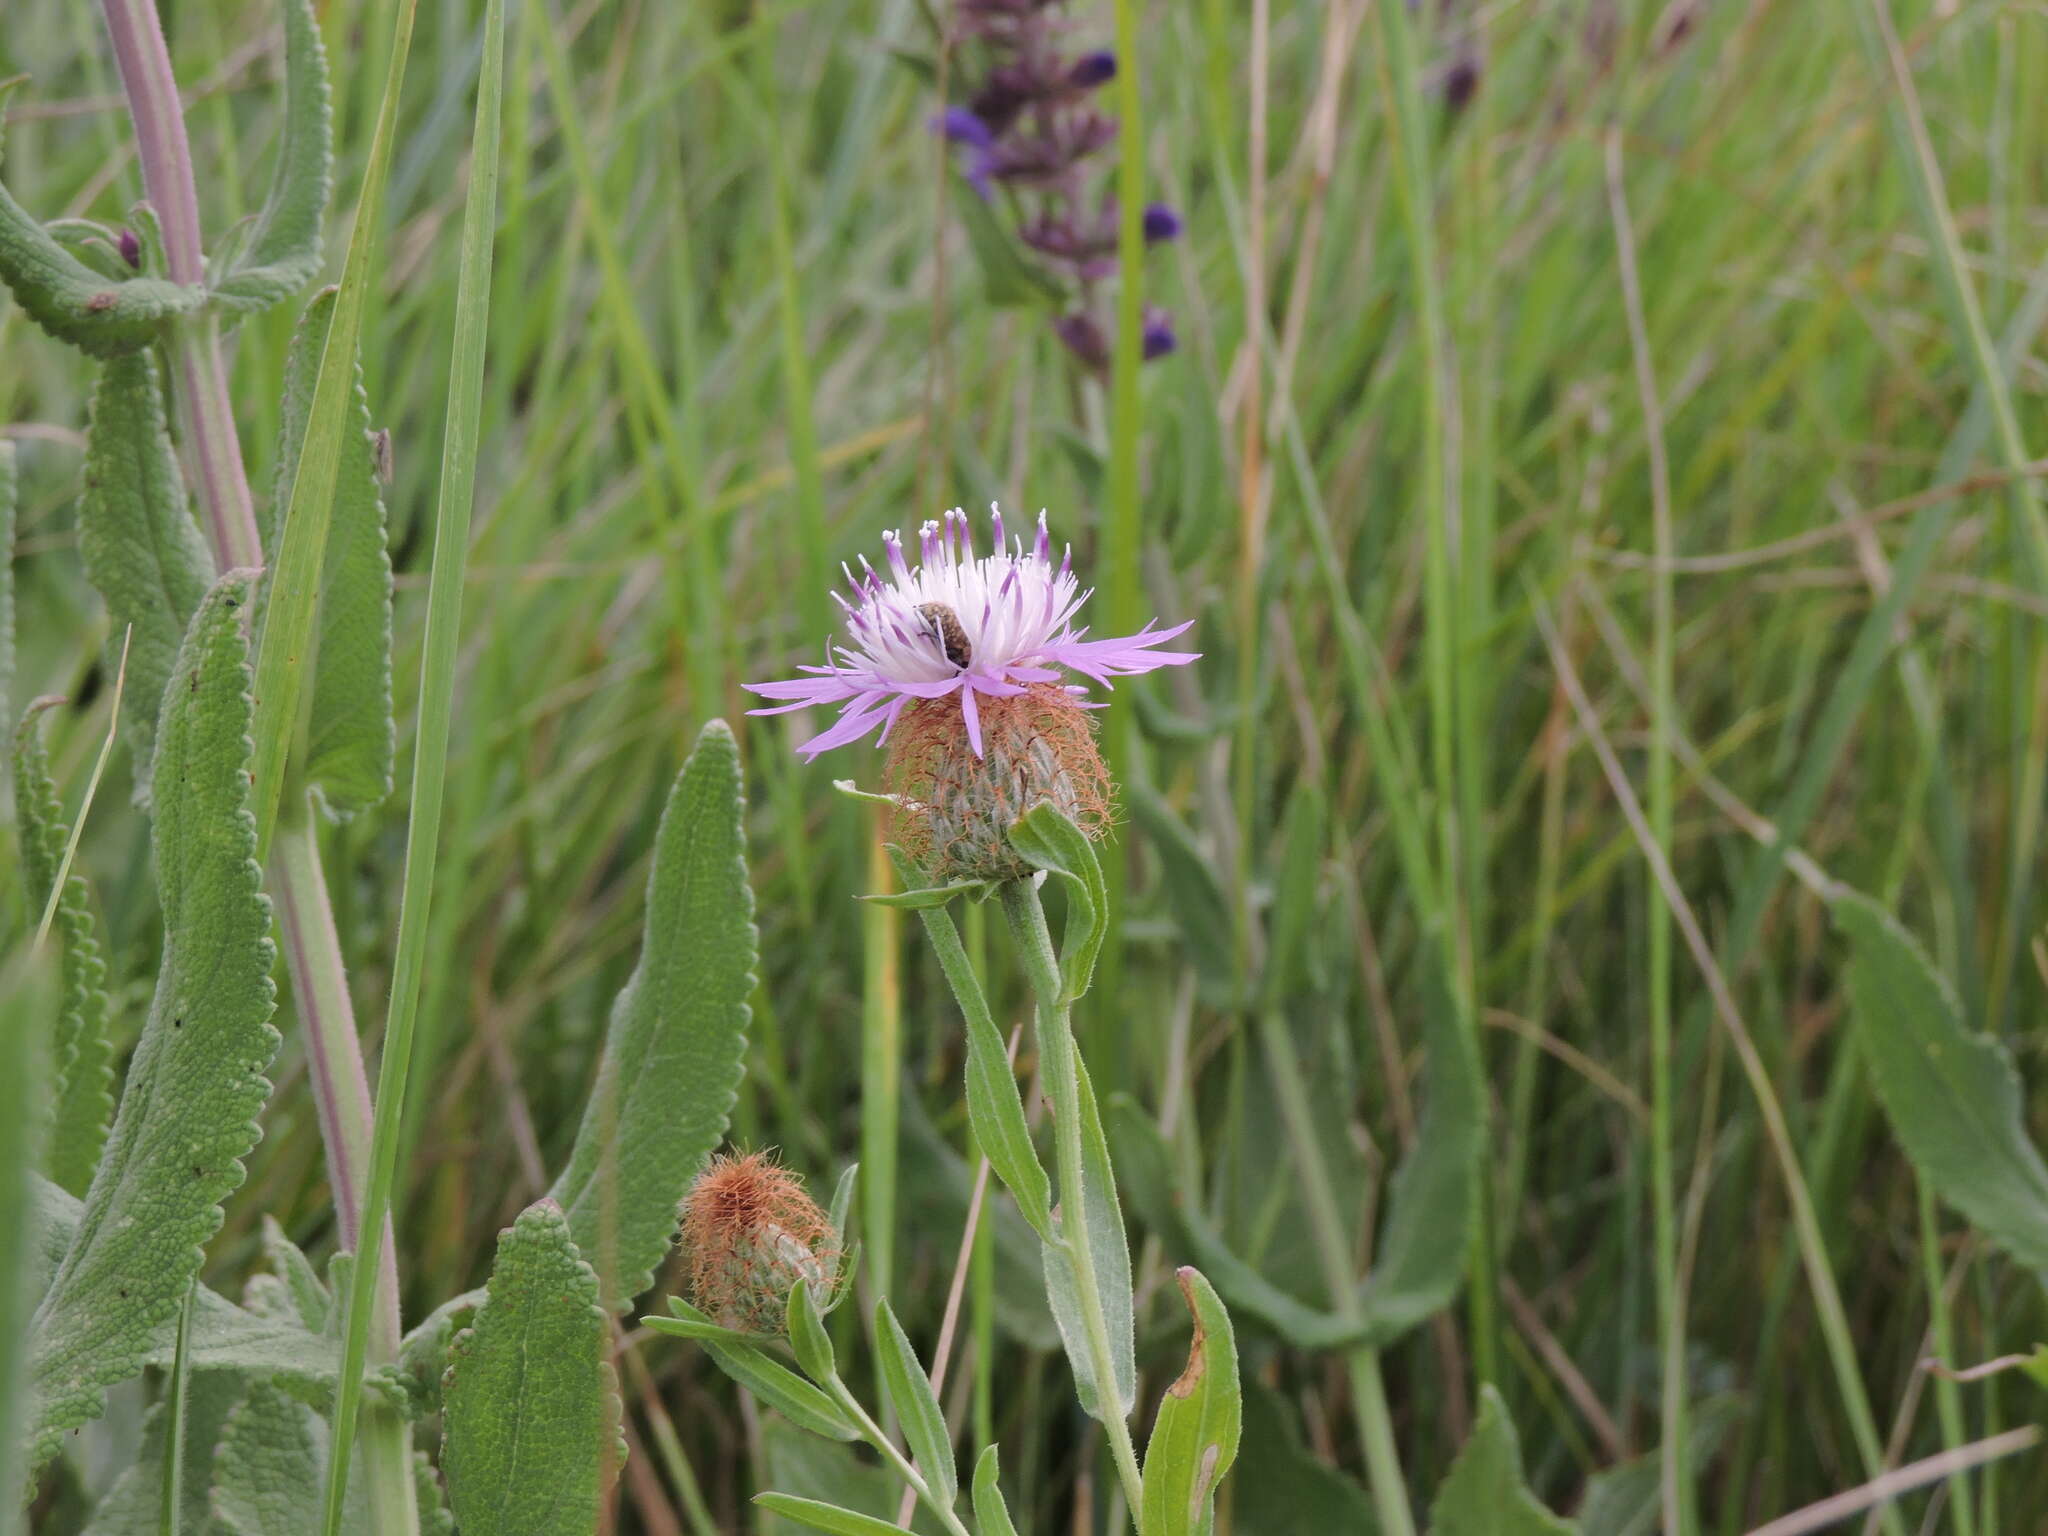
x,y
875,1436
214,463
1058,1060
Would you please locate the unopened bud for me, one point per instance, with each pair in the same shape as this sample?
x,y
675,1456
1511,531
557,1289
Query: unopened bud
x,y
752,1233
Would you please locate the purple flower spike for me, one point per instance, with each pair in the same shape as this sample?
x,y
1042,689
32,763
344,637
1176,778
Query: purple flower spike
x,y
1083,336
958,125
1161,223
1158,334
987,625
1093,69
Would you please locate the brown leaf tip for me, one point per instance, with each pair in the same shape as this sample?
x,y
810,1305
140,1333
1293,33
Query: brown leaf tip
x,y
1198,1360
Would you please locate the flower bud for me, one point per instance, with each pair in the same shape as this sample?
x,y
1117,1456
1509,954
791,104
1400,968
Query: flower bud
x,y
954,808
752,1233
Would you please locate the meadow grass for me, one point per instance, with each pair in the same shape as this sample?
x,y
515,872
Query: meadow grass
x,y
1695,354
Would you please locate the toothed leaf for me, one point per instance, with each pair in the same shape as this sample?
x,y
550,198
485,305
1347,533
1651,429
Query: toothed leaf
x,y
283,254
532,1411
188,1111
142,550
672,1053
81,1055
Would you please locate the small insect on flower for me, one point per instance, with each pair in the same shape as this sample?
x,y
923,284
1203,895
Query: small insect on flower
x,y
956,623
752,1232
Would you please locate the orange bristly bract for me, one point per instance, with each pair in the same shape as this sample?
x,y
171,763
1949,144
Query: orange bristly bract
x,y
752,1233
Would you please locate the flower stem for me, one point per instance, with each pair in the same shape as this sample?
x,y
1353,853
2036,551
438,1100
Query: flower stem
x,y
1058,1060
872,1432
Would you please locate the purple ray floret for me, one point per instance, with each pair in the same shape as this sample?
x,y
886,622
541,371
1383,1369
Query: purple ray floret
x,y
957,622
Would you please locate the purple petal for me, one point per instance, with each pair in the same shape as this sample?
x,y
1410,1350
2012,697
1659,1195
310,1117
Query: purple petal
x,y
858,719
959,125
971,713
1161,223
1093,69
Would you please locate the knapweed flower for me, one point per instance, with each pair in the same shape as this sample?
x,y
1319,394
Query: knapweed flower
x,y
752,1232
966,664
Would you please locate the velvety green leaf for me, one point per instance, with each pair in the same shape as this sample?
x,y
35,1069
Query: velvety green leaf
x,y
349,736
690,1328
826,1517
283,254
74,303
81,1060
1433,1200
917,1406
188,1111
272,1454
1047,840
1194,1438
1145,1165
532,1409
1281,1488
10,490
1192,889
311,1301
773,1383
132,1505
1103,1231
1484,1494
1625,1499
29,988
990,1512
672,1054
995,1105
1952,1096
807,1335
142,549
799,1463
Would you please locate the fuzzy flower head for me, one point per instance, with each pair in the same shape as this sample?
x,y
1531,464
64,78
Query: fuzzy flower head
x,y
752,1232
979,627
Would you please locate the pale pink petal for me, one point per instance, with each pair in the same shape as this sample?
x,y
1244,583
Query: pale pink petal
x,y
971,713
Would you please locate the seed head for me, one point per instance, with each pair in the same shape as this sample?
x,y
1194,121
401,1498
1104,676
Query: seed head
x,y
752,1233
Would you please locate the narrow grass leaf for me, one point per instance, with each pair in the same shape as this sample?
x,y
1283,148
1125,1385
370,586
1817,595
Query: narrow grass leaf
x,y
991,1513
143,550
1952,1096
283,254
81,1055
1195,1436
10,491
532,1407
1484,1494
826,1517
1193,891
187,1113
917,1406
673,1052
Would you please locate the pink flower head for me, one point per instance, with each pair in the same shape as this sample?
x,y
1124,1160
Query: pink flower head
x,y
958,622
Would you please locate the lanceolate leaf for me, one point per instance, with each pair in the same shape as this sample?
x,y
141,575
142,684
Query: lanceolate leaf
x,y
142,549
1419,1260
1052,842
80,1056
188,1111
349,741
1951,1095
991,1513
1194,1439
1103,1232
532,1409
1192,890
827,1517
28,998
772,1382
672,1054
284,251
1484,1494
917,1405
